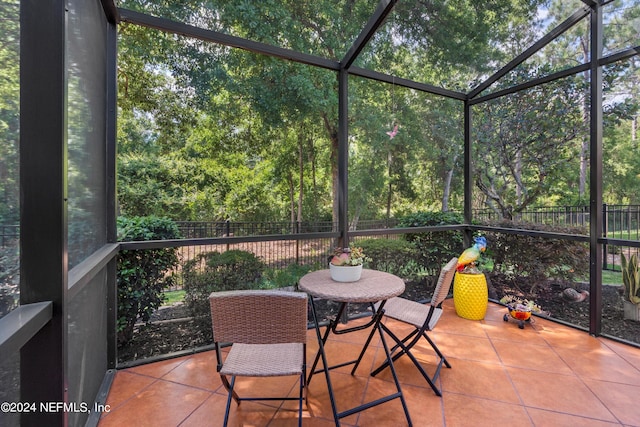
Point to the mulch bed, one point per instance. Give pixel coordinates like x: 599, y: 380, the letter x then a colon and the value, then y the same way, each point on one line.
x: 172, y: 330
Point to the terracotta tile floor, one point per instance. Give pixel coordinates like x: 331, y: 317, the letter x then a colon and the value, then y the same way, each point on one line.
x: 543, y: 375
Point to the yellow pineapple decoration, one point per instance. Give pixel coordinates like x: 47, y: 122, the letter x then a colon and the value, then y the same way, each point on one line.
x: 470, y: 293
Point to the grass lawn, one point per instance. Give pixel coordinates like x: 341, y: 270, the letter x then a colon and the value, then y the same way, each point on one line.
x: 172, y: 297
x: 611, y: 277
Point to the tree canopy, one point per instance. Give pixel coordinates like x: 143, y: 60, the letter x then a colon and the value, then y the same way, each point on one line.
x: 9, y: 110
x: 208, y: 132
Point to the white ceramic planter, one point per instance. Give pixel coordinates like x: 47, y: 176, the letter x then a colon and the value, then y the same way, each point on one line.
x: 631, y: 311
x: 345, y: 273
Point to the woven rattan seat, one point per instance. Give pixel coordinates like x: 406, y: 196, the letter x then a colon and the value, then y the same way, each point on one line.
x: 267, y: 331
x: 263, y: 360
x: 423, y: 317
x: 411, y: 312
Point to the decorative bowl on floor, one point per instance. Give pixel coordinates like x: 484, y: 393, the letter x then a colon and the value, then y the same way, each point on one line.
x: 520, y: 312
x: 345, y: 273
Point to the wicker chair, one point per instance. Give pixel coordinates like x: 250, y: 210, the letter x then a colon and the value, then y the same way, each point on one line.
x: 268, y: 332
x: 424, y: 318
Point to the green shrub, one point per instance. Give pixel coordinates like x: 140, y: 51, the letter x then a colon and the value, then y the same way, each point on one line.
x: 410, y: 271
x: 538, y: 258
x: 9, y: 278
x: 435, y: 248
x: 216, y: 271
x: 143, y: 274
x: 276, y: 278
x: 394, y: 256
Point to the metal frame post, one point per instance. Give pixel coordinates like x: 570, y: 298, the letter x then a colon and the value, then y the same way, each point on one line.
x: 110, y: 214
x: 43, y: 213
x: 468, y: 172
x: 595, y: 223
x: 343, y: 156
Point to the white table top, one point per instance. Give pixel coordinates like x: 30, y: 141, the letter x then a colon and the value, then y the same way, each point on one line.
x: 373, y: 286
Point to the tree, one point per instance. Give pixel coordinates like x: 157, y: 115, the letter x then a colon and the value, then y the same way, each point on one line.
x: 525, y: 141
x: 620, y: 79
x: 9, y: 111
x: 620, y: 164
x: 217, y: 109
x: 301, y: 98
x: 447, y: 44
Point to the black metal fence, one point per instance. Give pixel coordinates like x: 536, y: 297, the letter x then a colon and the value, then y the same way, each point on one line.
x: 204, y: 229
x: 619, y: 221
x: 8, y: 234
x: 570, y: 216
x: 622, y: 221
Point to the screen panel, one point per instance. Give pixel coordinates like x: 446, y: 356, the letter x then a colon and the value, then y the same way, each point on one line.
x: 87, y: 69
x: 9, y: 155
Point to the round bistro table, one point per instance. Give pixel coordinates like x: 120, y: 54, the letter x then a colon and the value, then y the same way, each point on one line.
x: 373, y: 287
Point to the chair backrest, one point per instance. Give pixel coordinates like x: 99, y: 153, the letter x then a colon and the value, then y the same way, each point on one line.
x: 444, y: 282
x: 259, y: 316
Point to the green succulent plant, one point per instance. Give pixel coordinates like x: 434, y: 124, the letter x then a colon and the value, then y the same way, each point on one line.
x: 631, y: 278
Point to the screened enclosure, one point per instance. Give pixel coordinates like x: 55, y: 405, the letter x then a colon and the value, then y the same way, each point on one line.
x: 340, y: 119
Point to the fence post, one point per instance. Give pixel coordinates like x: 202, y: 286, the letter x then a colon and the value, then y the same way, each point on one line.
x: 605, y: 222
x: 228, y: 230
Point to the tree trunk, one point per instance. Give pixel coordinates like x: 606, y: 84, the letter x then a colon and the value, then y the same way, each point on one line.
x: 292, y: 198
x: 518, y: 176
x: 314, y: 184
x: 333, y: 137
x: 390, y: 186
x: 447, y: 190
x: 301, y: 177
x: 448, y: 177
x: 584, y: 148
x: 354, y: 222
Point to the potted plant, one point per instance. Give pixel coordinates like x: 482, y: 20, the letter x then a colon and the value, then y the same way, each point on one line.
x: 519, y: 309
x: 346, y: 264
x: 631, y: 282
x: 470, y: 292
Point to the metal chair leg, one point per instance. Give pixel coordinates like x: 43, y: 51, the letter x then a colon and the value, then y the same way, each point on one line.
x: 437, y: 350
x: 394, y: 374
x: 405, y: 349
x: 229, y: 388
x: 302, y: 395
x: 228, y: 408
x: 400, y: 344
